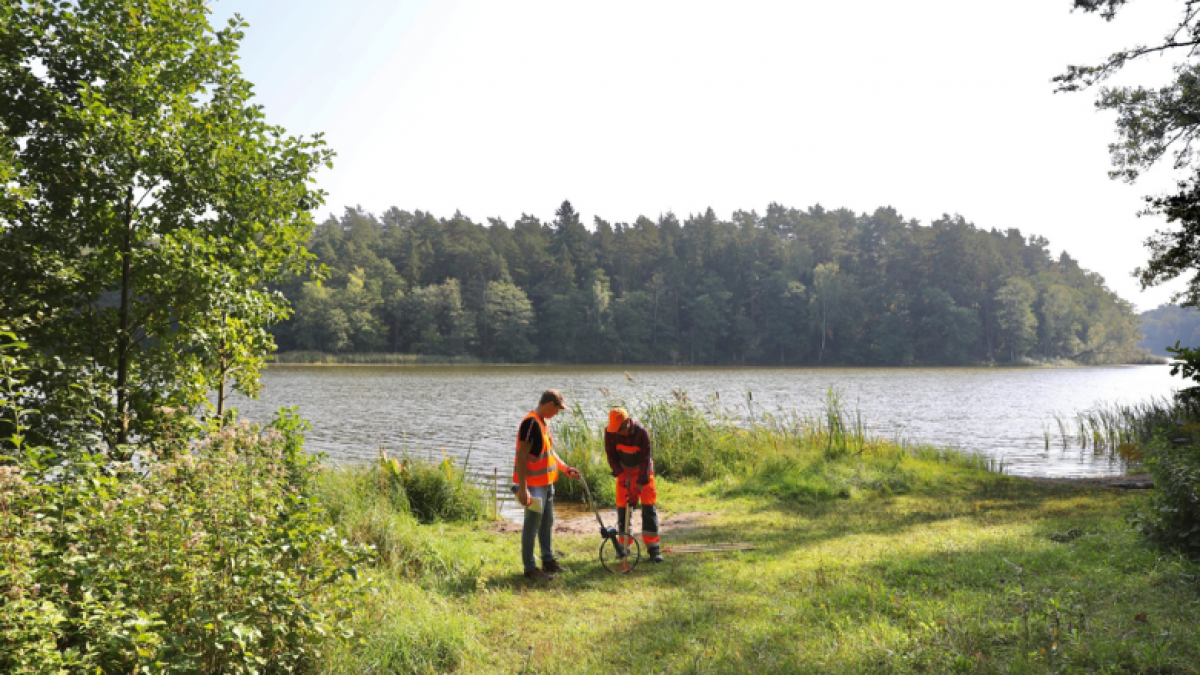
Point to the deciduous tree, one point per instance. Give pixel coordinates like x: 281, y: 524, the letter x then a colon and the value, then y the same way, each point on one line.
x: 162, y: 202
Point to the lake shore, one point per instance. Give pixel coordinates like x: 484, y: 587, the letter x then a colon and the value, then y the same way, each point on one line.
x: 964, y: 571
x: 309, y: 358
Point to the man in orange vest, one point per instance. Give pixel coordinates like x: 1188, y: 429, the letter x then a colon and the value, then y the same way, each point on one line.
x: 535, y: 471
x: 627, y: 445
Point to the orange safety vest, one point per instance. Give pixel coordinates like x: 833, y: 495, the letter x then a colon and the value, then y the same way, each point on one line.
x: 541, y: 470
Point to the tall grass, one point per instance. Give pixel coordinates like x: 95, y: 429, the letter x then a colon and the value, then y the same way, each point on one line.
x: 381, y: 504
x: 1121, y: 432
x: 370, y: 358
x: 797, y: 456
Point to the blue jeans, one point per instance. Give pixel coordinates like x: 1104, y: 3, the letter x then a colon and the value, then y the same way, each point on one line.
x: 538, y: 526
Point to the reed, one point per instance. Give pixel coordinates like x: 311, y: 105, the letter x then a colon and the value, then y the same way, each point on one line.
x: 796, y: 456
x: 370, y: 358
x: 1123, y: 431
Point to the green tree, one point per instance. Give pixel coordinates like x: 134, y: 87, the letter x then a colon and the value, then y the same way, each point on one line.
x: 1018, y: 325
x: 948, y: 331
x: 439, y: 323
x: 162, y: 202
x: 318, y: 322
x: 1060, y: 322
x: 828, y: 295
x: 1153, y: 123
x: 508, y: 323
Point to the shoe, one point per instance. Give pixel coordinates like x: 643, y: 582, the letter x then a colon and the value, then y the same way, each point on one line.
x: 538, y: 574
x: 552, y: 567
x: 655, y: 554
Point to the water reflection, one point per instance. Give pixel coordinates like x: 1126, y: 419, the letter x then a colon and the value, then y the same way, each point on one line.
x: 998, y: 412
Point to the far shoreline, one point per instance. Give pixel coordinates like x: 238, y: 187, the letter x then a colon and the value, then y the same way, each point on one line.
x: 409, y: 361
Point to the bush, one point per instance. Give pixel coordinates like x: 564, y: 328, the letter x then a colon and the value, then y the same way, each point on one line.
x: 218, y: 559
x: 1172, y: 513
x: 441, y: 493
x: 370, y: 506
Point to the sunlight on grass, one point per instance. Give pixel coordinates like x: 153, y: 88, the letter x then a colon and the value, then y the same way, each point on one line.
x: 870, y: 557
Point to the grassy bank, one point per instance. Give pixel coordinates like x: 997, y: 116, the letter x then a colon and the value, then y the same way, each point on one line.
x: 370, y: 358
x: 870, y: 557
x: 389, y: 358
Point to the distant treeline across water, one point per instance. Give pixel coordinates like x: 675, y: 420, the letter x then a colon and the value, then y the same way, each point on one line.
x: 786, y: 287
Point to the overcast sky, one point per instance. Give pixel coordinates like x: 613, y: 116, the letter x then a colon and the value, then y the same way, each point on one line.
x: 498, y: 108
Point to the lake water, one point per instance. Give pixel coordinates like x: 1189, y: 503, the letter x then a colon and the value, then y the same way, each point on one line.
x: 427, y: 410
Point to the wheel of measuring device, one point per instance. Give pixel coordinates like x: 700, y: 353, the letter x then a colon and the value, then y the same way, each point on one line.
x: 620, y: 555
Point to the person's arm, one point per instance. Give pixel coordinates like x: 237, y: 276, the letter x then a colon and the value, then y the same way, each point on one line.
x: 522, y: 469
x: 643, y: 443
x: 571, y: 472
x: 610, y: 452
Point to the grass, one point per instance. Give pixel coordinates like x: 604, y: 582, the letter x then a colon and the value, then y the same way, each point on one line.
x: 370, y: 358
x: 1121, y: 432
x: 870, y: 557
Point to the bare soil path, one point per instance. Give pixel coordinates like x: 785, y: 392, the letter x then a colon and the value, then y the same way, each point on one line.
x: 578, y: 519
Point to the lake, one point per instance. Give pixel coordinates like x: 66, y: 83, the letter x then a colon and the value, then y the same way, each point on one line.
x: 1001, y: 413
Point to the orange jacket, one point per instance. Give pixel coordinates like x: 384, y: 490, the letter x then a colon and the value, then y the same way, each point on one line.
x: 543, y: 469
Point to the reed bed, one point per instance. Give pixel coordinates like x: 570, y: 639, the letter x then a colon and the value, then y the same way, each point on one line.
x: 1122, y: 432
x: 798, y: 456
x: 370, y: 358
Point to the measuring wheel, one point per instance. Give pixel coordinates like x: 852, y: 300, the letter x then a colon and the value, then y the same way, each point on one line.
x: 620, y: 553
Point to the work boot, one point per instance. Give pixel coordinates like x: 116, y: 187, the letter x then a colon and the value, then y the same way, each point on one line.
x: 655, y: 553
x: 552, y: 567
x: 537, y: 575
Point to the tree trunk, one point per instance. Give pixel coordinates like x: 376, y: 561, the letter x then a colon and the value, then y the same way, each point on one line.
x: 124, y: 339
x: 821, y: 354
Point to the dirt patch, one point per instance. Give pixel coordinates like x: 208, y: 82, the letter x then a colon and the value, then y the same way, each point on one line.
x: 571, y: 519
x: 1132, y: 482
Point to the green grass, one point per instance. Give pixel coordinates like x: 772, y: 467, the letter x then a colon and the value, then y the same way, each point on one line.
x: 885, y: 560
x: 369, y: 358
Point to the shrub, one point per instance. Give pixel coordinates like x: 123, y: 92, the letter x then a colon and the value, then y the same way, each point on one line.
x: 218, y: 559
x: 1172, y: 513
x: 441, y: 493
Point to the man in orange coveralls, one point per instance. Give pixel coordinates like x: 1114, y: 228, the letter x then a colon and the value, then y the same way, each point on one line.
x: 627, y: 445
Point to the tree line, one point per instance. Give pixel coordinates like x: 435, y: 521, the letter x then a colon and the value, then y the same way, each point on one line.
x: 1165, y: 325
x: 786, y: 287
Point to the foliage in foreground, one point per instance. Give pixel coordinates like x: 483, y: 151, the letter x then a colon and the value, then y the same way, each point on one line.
x: 215, y: 561
x: 154, y: 203
x: 1161, y: 436
x: 214, y: 558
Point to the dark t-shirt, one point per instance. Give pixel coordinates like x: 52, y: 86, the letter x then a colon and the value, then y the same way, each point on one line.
x: 531, y: 433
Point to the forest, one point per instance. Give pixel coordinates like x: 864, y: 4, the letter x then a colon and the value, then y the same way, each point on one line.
x: 1165, y: 325
x: 787, y: 287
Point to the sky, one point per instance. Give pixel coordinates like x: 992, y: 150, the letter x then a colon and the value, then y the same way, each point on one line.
x: 501, y: 108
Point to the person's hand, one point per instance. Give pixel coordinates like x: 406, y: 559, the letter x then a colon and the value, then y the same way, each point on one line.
x: 616, y: 474
x: 523, y: 496
x: 572, y: 472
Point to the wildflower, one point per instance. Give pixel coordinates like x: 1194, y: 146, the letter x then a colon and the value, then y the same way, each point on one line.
x: 156, y: 506
x: 259, y: 521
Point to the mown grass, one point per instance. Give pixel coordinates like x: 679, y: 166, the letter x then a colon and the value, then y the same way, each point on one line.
x: 876, y: 558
